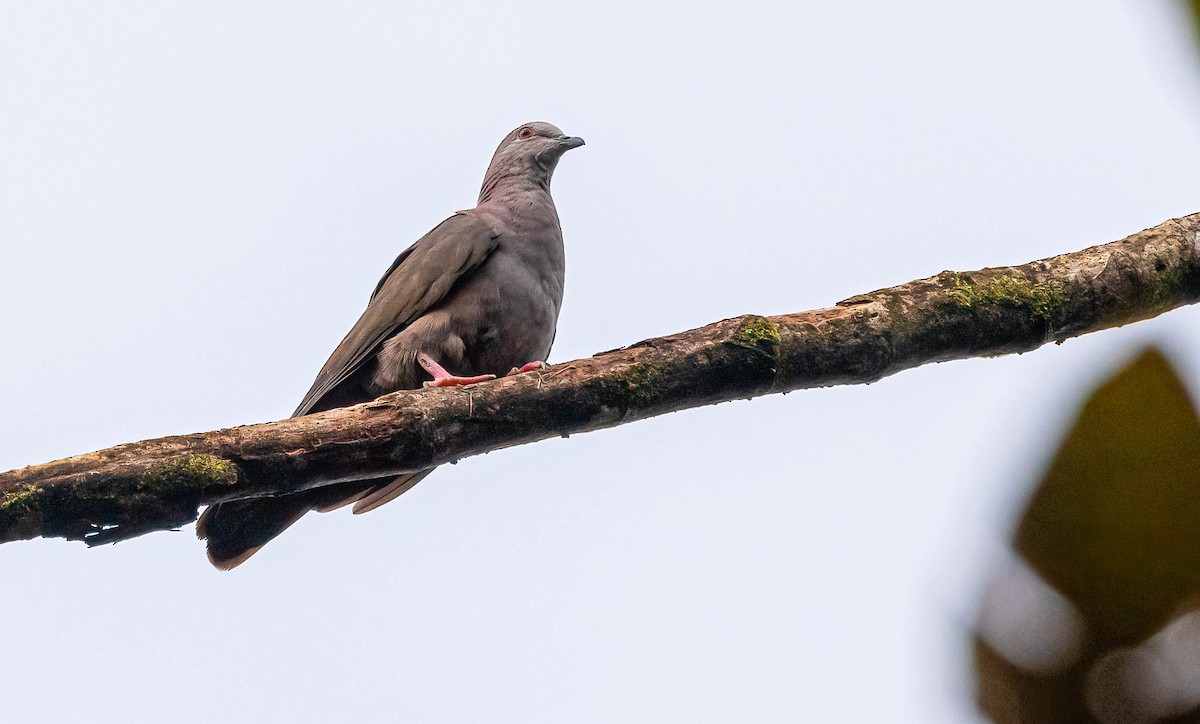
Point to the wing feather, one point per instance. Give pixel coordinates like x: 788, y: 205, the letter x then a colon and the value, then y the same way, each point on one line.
x: 422, y: 275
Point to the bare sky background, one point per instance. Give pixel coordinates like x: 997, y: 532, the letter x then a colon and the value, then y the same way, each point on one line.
x: 197, y: 199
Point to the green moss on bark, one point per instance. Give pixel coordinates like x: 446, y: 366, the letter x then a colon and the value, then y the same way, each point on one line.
x: 194, y: 472
x: 1041, y: 300
x: 637, y: 385
x: 165, y: 494
x: 759, y: 332
x: 761, y: 335
x: 20, y: 513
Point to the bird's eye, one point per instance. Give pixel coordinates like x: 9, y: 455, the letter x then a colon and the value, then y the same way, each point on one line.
x: 525, y: 133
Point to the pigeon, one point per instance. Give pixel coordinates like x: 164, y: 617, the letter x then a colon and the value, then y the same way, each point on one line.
x: 476, y: 297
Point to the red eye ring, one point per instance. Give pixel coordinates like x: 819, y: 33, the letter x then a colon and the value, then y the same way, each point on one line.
x: 525, y: 133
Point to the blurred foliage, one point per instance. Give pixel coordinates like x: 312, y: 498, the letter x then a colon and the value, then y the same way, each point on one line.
x: 1109, y: 548
x: 1193, y: 10
x: 1115, y: 524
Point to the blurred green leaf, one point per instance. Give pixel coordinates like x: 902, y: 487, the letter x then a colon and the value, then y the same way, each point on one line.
x: 1193, y: 10
x: 1115, y: 525
x: 1007, y: 693
x: 1114, y: 530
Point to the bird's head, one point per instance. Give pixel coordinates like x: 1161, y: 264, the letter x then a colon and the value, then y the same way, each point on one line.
x: 532, y: 149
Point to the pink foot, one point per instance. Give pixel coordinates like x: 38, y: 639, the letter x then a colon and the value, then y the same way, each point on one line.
x: 527, y: 367
x: 442, y: 378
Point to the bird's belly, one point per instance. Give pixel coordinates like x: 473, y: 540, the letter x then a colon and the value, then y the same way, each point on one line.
x: 515, y: 329
x: 506, y: 315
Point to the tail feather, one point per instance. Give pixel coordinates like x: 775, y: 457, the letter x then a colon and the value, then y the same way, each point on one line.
x: 341, y: 503
x: 388, y: 492
x: 237, y: 529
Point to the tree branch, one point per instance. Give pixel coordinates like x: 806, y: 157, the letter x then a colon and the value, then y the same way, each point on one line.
x: 135, y: 488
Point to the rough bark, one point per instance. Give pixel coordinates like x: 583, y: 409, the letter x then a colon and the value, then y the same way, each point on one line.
x: 158, y: 484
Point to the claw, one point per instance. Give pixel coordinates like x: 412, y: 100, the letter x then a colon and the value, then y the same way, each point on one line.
x: 527, y: 367
x: 442, y: 378
x: 451, y: 381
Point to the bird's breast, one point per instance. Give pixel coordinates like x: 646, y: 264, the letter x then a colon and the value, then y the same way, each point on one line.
x: 518, y: 297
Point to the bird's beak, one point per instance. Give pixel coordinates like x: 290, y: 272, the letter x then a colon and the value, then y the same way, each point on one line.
x: 570, y: 141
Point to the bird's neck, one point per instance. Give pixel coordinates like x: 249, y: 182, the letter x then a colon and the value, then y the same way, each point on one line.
x: 525, y: 206
x: 506, y: 187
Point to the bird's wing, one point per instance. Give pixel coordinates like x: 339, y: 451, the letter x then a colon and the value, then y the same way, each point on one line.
x: 421, y: 276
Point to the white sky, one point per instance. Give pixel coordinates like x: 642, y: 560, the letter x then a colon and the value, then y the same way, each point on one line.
x: 196, y: 200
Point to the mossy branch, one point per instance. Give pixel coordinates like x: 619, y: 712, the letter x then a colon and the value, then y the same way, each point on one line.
x: 158, y: 484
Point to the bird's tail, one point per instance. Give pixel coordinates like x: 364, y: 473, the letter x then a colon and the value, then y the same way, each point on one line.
x: 238, y: 529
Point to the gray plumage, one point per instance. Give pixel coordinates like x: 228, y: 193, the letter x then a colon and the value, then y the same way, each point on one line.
x: 479, y: 295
